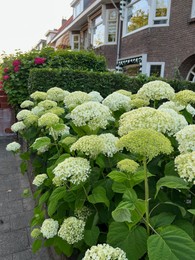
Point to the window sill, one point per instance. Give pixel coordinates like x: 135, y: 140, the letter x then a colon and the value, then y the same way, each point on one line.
x: 191, y: 20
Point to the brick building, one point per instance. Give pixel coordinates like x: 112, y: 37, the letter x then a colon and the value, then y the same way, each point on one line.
x: 148, y: 36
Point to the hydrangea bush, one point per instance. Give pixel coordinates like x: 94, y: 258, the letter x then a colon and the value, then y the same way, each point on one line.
x: 113, y: 180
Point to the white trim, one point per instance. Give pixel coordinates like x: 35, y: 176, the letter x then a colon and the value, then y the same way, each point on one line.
x: 106, y: 27
x: 73, y: 42
x: 193, y: 9
x: 191, y: 72
x: 148, y: 67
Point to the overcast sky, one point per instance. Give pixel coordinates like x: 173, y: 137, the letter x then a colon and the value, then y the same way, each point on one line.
x: 24, y: 22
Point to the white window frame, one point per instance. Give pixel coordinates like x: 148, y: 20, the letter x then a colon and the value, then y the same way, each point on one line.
x: 107, y: 25
x: 193, y: 9
x: 80, y: 5
x: 73, y: 42
x: 149, y: 64
x: 151, y: 18
x: 191, y: 72
x: 92, y: 30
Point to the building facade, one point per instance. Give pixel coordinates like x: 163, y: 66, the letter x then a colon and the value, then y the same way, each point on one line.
x: 154, y: 37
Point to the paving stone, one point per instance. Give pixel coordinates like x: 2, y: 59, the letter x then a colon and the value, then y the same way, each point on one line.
x: 5, y: 224
x: 11, y: 207
x: 9, y: 257
x: 28, y: 204
x: 12, y: 242
x: 21, y: 220
x: 24, y: 255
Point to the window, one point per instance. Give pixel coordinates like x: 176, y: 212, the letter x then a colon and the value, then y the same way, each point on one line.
x: 111, y: 26
x: 78, y: 8
x: 191, y: 74
x: 193, y: 9
x: 75, y: 42
x: 155, y: 69
x: 146, y: 13
x: 97, y: 31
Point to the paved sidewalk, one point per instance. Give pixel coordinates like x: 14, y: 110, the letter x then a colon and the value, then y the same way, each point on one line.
x: 15, y: 211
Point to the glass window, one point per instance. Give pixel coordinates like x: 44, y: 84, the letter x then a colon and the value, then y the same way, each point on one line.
x: 76, y: 42
x: 155, y: 69
x: 191, y: 74
x: 78, y: 8
x: 193, y: 9
x: 112, y: 26
x: 137, y: 15
x: 97, y: 31
x: 161, y: 10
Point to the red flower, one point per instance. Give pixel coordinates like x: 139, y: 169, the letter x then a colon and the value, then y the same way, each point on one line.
x: 16, y: 68
x: 39, y: 60
x: 16, y: 63
x: 6, y: 77
x: 6, y: 70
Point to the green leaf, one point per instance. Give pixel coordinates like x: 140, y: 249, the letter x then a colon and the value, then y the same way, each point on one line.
x: 133, y: 241
x: 138, y: 177
x: 63, y: 246
x: 41, y: 142
x: 44, y: 197
x: 192, y: 211
x: 36, y: 245
x: 118, y: 176
x: 56, y: 195
x: 25, y: 156
x: 162, y: 219
x: 171, y: 243
x: 170, y: 169
x: 91, y: 236
x: 100, y: 161
x: 23, y: 167
x: 122, y: 212
x: 119, y: 187
x: 172, y: 182
x: 99, y: 196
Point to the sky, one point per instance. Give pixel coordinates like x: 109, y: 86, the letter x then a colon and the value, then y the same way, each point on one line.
x: 24, y: 22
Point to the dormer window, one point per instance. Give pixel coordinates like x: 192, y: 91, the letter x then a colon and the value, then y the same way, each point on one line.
x: 77, y: 8
x: 193, y: 9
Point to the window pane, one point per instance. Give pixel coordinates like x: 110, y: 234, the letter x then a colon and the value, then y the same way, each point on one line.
x: 76, y: 37
x: 98, y: 35
x: 137, y: 15
x: 155, y: 70
x: 112, y: 32
x: 161, y: 8
x: 76, y: 45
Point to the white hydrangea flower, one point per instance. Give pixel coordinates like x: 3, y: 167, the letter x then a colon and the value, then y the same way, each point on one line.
x: 47, y: 104
x: 146, y: 117
x: 72, y: 230
x: 73, y: 169
x: 185, y: 97
x: 56, y: 94
x: 117, y: 101
x: 76, y: 98
x: 125, y: 92
x: 58, y: 130
x: 104, y: 252
x: 156, y: 90
x: 38, y: 111
x: 185, y: 165
x: 31, y: 120
x: 13, y: 147
x: 179, y: 120
x: 190, y: 109
x: 23, y: 114
x: 48, y: 119
x: 57, y: 110
x: 39, y: 95
x: 93, y: 114
x: 18, y: 126
x: 35, y: 233
x: 27, y: 104
x: 83, y: 213
x: 172, y: 105
x: 186, y: 139
x: 39, y: 179
x: 92, y: 145
x: 49, y: 228
x: 95, y: 96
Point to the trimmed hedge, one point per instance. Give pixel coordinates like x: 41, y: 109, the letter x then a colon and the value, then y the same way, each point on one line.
x: 103, y: 82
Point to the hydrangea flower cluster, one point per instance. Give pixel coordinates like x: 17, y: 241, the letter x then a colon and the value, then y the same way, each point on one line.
x: 95, y: 96
x: 92, y: 114
x: 35, y: 233
x: 73, y: 169
x: 58, y: 130
x: 104, y: 252
x: 139, y: 102
x: 49, y: 228
x: 56, y: 94
x: 18, y: 126
x: 147, y: 143
x: 41, y: 144
x: 47, y: 104
x: 76, y: 98
x: 185, y: 165
x: 38, y: 111
x: 156, y: 90
x: 57, y: 111
x: 145, y: 117
x: 39, y: 179
x: 186, y: 139
x: 117, y: 101
x: 48, y: 119
x: 31, y: 120
x: 72, y: 230
x: 13, y: 147
x: 27, y: 104
x: 127, y: 166
x: 23, y: 114
x: 39, y: 95
x: 92, y: 145
x: 83, y: 213
x: 124, y: 92
x: 172, y: 105
x: 185, y: 97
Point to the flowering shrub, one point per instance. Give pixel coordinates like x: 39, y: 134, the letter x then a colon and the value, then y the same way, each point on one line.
x: 111, y: 184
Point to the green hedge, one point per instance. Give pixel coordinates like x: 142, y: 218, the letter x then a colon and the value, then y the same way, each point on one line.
x: 103, y: 82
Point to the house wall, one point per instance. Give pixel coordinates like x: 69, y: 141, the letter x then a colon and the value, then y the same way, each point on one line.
x: 172, y: 44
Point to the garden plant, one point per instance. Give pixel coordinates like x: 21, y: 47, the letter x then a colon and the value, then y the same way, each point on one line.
x: 113, y: 177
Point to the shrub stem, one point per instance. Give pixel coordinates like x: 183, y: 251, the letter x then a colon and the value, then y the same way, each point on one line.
x: 146, y: 196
